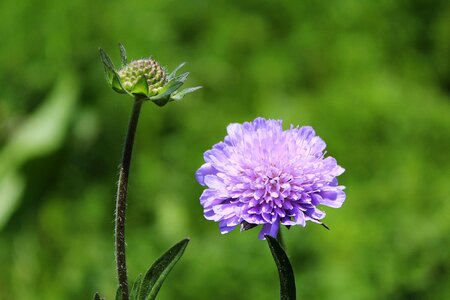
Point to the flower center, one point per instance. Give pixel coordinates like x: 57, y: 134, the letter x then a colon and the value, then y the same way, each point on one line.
x: 268, y: 192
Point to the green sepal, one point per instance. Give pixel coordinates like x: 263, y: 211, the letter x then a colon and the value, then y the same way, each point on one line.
x: 182, y: 78
x: 135, y: 289
x: 155, y: 276
x: 140, y: 88
x: 108, y: 65
x: 119, y: 293
x: 106, y: 59
x: 174, y: 72
x: 179, y: 95
x: 162, y: 101
x: 167, y: 90
x: 116, y: 85
x: 111, y: 74
x: 108, y: 75
x: 285, y: 272
x: 123, y: 54
x: 164, y: 96
x: 170, y: 88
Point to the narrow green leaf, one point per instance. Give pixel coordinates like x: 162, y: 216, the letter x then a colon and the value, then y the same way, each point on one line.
x: 106, y: 60
x: 158, y: 272
x: 108, y: 75
x: 96, y: 296
x: 119, y: 293
x: 116, y: 84
x: 179, y: 95
x: 173, y: 85
x: 162, y: 101
x: 285, y: 272
x: 168, y: 89
x: 118, y: 87
x: 182, y: 77
x: 108, y: 65
x: 111, y: 74
x: 174, y: 72
x: 123, y: 54
x: 135, y: 289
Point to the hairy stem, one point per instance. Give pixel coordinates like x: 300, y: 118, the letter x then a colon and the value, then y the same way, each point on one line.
x: 121, y: 200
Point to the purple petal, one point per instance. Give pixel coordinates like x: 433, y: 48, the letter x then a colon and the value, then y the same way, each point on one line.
x: 205, y: 169
x: 270, y: 229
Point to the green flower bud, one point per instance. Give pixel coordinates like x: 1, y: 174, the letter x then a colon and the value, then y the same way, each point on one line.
x: 145, y: 79
x: 143, y: 69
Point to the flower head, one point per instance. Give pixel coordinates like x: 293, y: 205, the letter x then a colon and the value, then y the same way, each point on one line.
x: 148, y: 69
x: 145, y: 79
x: 262, y: 175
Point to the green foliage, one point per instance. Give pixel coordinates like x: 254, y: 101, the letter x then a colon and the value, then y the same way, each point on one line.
x: 147, y: 287
x: 119, y: 294
x: 155, y: 276
x: 135, y: 289
x: 42, y: 133
x: 123, y: 54
x: 371, y: 77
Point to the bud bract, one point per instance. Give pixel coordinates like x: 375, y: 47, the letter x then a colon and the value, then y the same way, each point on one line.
x: 145, y: 79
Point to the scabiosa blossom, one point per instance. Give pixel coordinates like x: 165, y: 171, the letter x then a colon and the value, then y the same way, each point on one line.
x: 262, y: 175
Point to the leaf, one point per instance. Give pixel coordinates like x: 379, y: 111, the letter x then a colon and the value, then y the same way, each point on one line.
x: 108, y: 65
x: 119, y: 293
x: 123, y: 54
x: 96, y: 296
x: 168, y: 89
x: 106, y: 59
x: 135, y: 289
x: 162, y: 101
x: 174, y: 72
x: 112, y: 77
x: 116, y: 85
x: 40, y: 134
x: 285, y: 272
x: 158, y: 272
x: 182, y: 77
x: 179, y: 95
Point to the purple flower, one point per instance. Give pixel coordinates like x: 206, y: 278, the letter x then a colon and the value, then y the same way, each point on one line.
x: 261, y: 174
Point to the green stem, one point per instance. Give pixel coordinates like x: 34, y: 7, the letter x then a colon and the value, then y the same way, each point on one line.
x: 121, y: 200
x: 285, y: 272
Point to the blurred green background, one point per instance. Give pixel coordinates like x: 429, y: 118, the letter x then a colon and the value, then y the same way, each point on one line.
x: 372, y: 77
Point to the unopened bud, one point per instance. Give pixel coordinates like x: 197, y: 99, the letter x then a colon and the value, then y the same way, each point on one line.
x: 149, y: 69
x: 145, y: 79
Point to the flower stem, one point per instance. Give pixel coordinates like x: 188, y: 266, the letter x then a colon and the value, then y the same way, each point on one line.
x: 285, y: 272
x: 121, y: 200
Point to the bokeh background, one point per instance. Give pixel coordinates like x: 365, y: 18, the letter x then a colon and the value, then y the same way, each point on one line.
x: 372, y: 77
